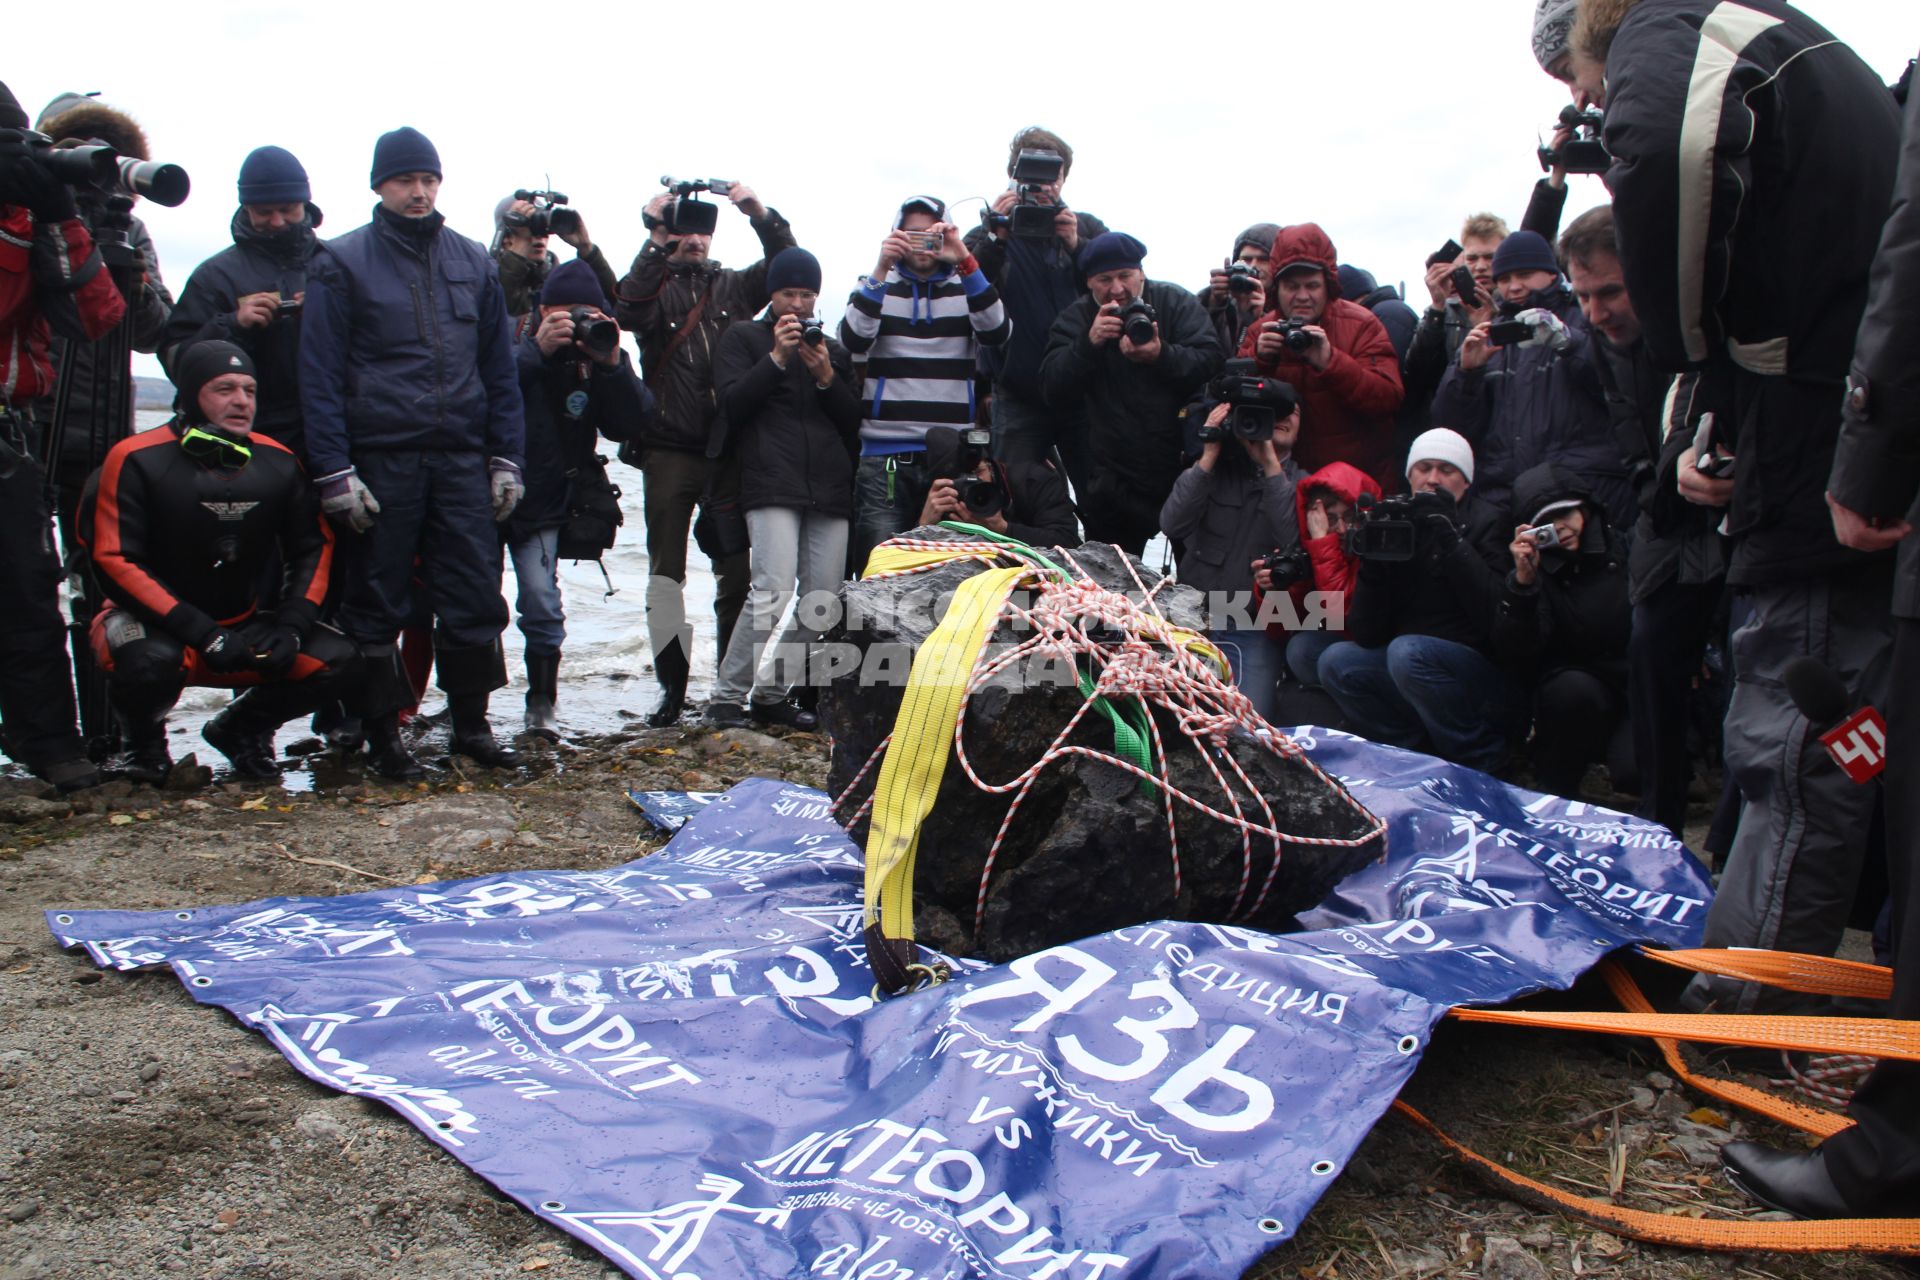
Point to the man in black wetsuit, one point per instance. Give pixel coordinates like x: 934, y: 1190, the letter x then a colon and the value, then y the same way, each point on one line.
x: 186, y: 525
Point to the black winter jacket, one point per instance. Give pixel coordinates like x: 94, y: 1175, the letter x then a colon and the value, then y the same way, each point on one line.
x: 654, y: 302
x: 1448, y: 590
x: 1876, y: 469
x: 1037, y: 280
x: 255, y: 263
x: 795, y: 444
x: 569, y: 404
x: 1741, y: 261
x: 405, y: 344
x: 1133, y: 410
x: 1575, y: 612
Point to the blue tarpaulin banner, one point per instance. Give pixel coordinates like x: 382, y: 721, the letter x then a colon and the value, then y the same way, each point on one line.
x: 679, y: 1060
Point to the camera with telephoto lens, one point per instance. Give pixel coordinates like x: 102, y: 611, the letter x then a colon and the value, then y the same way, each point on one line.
x: 1258, y: 402
x: 687, y: 215
x: 1032, y: 217
x: 596, y: 333
x: 813, y: 331
x: 985, y: 498
x: 1137, y: 321
x: 1293, y: 332
x: 548, y: 217
x: 1242, y: 278
x: 1584, y: 152
x: 1393, y: 528
x: 96, y: 168
x: 1284, y: 568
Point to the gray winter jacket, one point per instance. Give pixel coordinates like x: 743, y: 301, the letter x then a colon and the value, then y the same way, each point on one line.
x: 1229, y: 517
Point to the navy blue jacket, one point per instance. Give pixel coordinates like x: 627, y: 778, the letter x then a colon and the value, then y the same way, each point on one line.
x: 405, y: 344
x: 569, y: 404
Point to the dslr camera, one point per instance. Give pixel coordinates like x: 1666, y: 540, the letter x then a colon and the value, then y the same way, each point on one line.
x: 1392, y: 528
x: 687, y: 214
x: 1258, y: 402
x: 1293, y: 332
x: 985, y: 498
x: 595, y: 333
x: 1242, y: 278
x: 813, y: 331
x: 1285, y: 568
x: 1584, y: 152
x: 94, y: 168
x: 548, y: 217
x: 1032, y: 218
x: 1138, y: 319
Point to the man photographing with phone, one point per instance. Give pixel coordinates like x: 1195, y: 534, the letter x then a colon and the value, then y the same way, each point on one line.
x: 920, y: 319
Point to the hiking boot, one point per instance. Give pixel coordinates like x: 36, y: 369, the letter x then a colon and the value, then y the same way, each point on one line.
x: 784, y: 713
x: 726, y: 715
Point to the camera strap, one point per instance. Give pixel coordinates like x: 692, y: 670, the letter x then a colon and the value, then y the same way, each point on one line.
x: 685, y: 331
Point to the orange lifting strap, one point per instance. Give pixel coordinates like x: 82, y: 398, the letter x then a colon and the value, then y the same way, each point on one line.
x: 1876, y: 1037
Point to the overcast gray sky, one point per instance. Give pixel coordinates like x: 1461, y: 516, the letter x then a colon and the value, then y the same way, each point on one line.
x: 1383, y: 120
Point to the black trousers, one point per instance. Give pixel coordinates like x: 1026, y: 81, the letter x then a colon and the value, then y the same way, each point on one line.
x: 1670, y: 631
x: 1876, y: 1164
x: 1575, y: 713
x: 36, y: 681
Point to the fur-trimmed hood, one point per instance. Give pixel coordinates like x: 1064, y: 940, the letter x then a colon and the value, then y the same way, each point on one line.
x: 1594, y: 27
x: 77, y: 115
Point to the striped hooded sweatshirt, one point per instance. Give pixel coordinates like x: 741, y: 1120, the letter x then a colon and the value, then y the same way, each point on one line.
x: 920, y: 337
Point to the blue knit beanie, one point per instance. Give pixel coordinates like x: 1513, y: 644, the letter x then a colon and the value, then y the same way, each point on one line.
x: 793, y: 268
x: 573, y: 284
x: 405, y: 150
x: 272, y: 175
x: 1524, y: 251
x: 1111, y: 252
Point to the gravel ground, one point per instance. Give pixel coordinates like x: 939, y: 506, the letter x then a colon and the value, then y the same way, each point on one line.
x: 145, y: 1135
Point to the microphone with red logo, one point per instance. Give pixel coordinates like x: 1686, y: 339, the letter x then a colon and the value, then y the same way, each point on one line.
x: 1856, y: 739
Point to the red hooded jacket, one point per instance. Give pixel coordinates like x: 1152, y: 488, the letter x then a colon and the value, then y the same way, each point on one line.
x: 1346, y: 409
x: 1333, y: 569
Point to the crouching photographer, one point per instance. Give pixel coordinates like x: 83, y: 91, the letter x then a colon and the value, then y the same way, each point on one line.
x: 1418, y: 672
x: 1562, y: 626
x: 190, y: 591
x: 51, y: 278
x: 1327, y: 504
x: 576, y: 385
x: 1026, y: 501
x: 792, y: 421
x: 1235, y: 503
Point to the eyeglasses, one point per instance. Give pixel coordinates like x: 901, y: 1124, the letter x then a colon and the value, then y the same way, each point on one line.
x: 211, y: 445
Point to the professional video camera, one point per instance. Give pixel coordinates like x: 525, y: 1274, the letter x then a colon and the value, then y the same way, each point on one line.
x: 1392, y: 528
x: 97, y: 169
x: 595, y: 333
x: 1584, y: 152
x: 1293, y: 332
x: 687, y: 215
x: 1242, y: 278
x: 1137, y: 320
x: 985, y: 498
x: 1034, y: 172
x: 1258, y: 402
x: 547, y: 218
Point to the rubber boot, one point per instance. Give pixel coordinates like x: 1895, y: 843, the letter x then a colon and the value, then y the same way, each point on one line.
x: 473, y: 736
x: 543, y: 693
x: 243, y: 733
x: 672, y: 668
x: 387, y: 754
x: 141, y: 711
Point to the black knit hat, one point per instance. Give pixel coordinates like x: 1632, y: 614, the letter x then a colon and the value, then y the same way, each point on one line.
x: 200, y: 364
x: 405, y: 150
x: 793, y: 268
x: 12, y: 114
x: 573, y: 284
x: 273, y: 175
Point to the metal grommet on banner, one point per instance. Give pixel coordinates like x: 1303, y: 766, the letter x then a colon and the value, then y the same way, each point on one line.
x: 63, y: 919
x: 202, y: 980
x: 1272, y: 1226
x: 552, y: 1206
x: 1408, y: 1045
x: 1323, y: 1168
x: 183, y: 915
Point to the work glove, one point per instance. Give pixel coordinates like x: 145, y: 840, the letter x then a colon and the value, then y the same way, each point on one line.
x: 225, y: 651
x: 347, y: 501
x: 25, y: 180
x: 504, y: 478
x: 1549, y: 330
x: 272, y: 646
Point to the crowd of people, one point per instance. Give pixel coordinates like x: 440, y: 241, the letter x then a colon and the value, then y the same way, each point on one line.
x: 1519, y: 519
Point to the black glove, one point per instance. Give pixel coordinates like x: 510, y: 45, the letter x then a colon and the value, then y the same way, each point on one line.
x: 272, y: 647
x: 1440, y: 533
x: 225, y: 651
x: 25, y: 180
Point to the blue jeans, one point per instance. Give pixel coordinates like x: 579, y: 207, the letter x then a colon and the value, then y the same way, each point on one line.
x: 889, y: 492
x: 1255, y: 659
x: 536, y: 570
x: 1303, y: 655
x: 1423, y: 691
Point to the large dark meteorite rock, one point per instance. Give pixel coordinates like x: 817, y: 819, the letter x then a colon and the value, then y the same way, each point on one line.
x: 1088, y: 851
